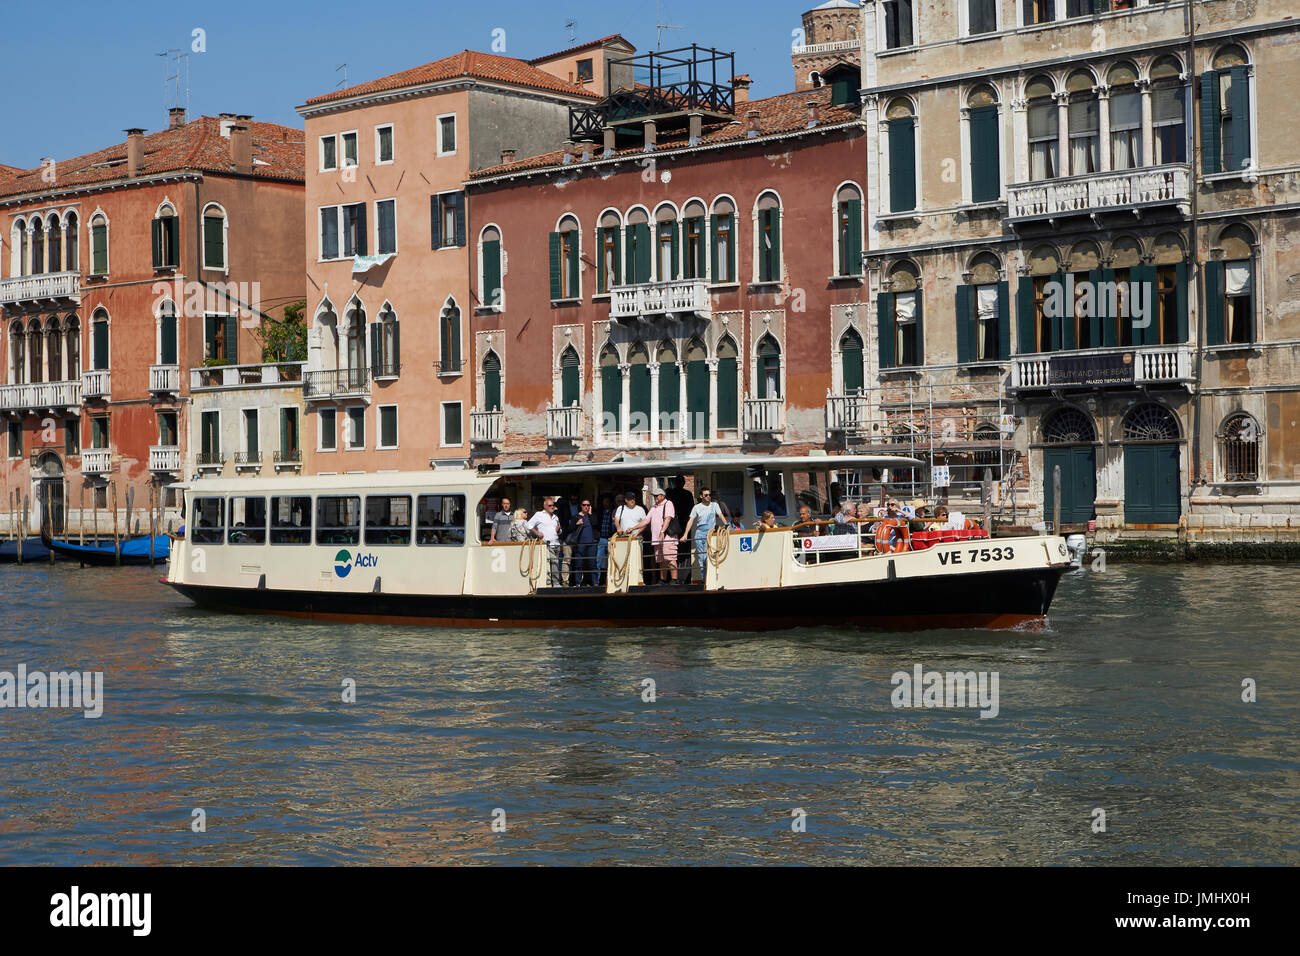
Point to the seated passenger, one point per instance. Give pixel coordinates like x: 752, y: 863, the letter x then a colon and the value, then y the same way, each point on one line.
x: 766, y: 523
x: 806, y: 524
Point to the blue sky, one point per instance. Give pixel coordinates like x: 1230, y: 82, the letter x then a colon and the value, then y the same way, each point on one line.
x: 76, y: 78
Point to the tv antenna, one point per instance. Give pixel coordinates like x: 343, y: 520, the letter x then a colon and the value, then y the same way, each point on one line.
x: 172, y: 76
x: 660, y: 26
x: 571, y: 24
x: 344, y: 82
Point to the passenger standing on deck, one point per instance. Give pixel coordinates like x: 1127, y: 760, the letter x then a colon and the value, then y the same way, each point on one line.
x: 704, y: 518
x: 519, y: 527
x: 662, y: 521
x: 605, y: 524
x: 583, y: 536
x: 546, y: 525
x: 501, y: 522
x: 683, y: 502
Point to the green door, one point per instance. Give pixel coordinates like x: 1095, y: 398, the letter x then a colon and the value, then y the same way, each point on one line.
x: 670, y: 396
x: 611, y: 386
x: 1151, y: 484
x: 697, y: 399
x: 1078, y: 483
x: 639, y: 397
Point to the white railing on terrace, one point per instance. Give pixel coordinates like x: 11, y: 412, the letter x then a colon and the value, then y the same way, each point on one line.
x: 40, y: 396
x: 659, y: 298
x: 95, y: 383
x: 564, y: 424
x: 846, y: 413
x: 764, y: 416
x: 165, y: 458
x: 1152, y: 364
x: 832, y: 47
x: 164, y: 378
x: 56, y: 285
x: 1120, y: 189
x: 485, y: 427
x: 212, y: 377
x: 96, y: 461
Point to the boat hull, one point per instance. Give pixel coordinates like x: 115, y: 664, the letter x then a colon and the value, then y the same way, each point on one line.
x: 134, y: 551
x: 996, y: 599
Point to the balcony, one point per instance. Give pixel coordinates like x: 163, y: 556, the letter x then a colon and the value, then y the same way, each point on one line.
x: 846, y: 414
x: 46, y: 288
x: 833, y: 47
x: 288, y: 460
x: 336, y: 383
x: 449, y: 368
x: 485, y: 427
x: 95, y: 383
x: 52, y: 397
x: 96, y: 461
x: 1103, y: 368
x: 164, y: 379
x: 210, y: 461
x: 165, y: 459
x: 1129, y: 190
x: 248, y: 461
x: 681, y: 296
x: 564, y: 424
x: 764, y: 419
x: 213, y: 378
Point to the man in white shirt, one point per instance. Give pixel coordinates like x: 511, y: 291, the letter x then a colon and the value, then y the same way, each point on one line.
x: 546, y: 525
x: 629, y: 515
x: 704, y: 518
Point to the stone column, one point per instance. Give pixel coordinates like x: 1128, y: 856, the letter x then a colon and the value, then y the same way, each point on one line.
x: 1103, y: 128
x: 711, y: 429
x: 1019, y: 141
x: 1148, y: 132
x: 654, y: 403
x: 683, y: 415
x: 1063, y: 134
x: 625, y: 419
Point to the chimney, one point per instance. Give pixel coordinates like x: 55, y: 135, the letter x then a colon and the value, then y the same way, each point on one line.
x: 814, y: 114
x: 741, y: 86
x: 611, y: 136
x: 588, y: 148
x: 651, y: 135
x: 175, y: 117
x: 134, y: 151
x: 752, y: 119
x: 227, y: 120
x: 507, y: 156
x: 568, y: 153
x: 697, y: 128
x: 241, y: 148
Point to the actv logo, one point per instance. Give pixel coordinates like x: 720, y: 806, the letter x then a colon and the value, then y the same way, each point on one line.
x: 343, y: 562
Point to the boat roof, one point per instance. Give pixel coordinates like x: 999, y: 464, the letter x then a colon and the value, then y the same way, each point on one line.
x: 486, y: 475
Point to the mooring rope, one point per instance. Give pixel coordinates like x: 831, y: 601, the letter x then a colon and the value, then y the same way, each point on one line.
x: 532, y: 568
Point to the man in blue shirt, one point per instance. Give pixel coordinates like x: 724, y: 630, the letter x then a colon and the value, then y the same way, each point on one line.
x: 583, y: 535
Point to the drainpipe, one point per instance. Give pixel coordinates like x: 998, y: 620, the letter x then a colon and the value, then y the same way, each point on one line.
x: 1194, y: 263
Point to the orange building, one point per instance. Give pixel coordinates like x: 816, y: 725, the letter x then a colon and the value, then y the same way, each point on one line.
x: 389, y: 250
x: 118, y: 270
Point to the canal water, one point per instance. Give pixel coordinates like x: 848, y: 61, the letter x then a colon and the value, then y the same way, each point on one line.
x: 1129, y: 702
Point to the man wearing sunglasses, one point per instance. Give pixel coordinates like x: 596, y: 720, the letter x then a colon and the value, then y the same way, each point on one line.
x: 705, y: 516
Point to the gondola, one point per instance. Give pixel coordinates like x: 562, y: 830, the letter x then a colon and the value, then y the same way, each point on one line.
x: 33, y: 550
x: 134, y: 551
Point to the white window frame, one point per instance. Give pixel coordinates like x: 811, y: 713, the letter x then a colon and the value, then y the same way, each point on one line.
x: 835, y: 228
x: 378, y: 251
x: 392, y: 141
x: 455, y: 132
x: 279, y: 416
x: 243, y: 422
x: 442, y: 424
x: 347, y: 420
x: 758, y: 238
x: 321, y: 153
x: 320, y: 432
x: 482, y: 276
x: 963, y: 16
x: 883, y: 36
x: 577, y: 231
x: 224, y: 268
x: 379, y: 428
x: 90, y: 241
x: 338, y: 234
x: 342, y: 149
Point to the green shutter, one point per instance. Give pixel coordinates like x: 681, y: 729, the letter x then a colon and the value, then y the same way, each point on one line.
x: 1146, y: 276
x: 169, y: 351
x: 885, y: 329
x: 1095, y: 322
x: 213, y: 242
x: 728, y: 388
x: 1025, y: 316
x: 1180, y: 284
x: 713, y: 247
x: 492, y: 388
x: 570, y: 384
x: 644, y: 253
x: 851, y: 359
x: 1063, y: 338
x: 966, y: 324
x: 172, y: 229
x: 1214, y: 328
x: 575, y: 252
x: 99, y: 250
x: 603, y: 282
x: 701, y: 262
x: 232, y: 349
x: 492, y: 273
x: 1110, y: 327
x: 986, y: 178
x: 920, y: 326
x: 284, y: 432
x: 853, y: 252
x: 1240, y: 103
x: 557, y: 277
x: 639, y: 395
x: 670, y: 396
x: 254, y: 448
x: 1004, y: 320
x: 1210, y: 146
x: 397, y: 347
x: 100, y: 343
x: 156, y: 233
x: 376, y: 351
x: 435, y: 222
x: 611, y: 384
x: 461, y: 203
x: 902, y: 164
x: 770, y: 265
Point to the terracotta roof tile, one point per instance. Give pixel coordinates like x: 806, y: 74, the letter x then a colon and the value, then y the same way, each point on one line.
x: 278, y: 153
x: 776, y: 114
x: 483, y: 66
x: 582, y: 46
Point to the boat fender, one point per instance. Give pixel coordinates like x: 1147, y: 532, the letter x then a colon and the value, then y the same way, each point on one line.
x: 379, y: 586
x: 261, y: 583
x: 892, y: 573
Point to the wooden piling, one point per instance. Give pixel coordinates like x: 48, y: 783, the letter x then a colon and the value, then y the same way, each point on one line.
x: 15, y: 501
x: 22, y: 527
x: 153, y: 516
x: 130, y: 505
x: 81, y: 516
x: 95, y: 512
x: 117, y: 542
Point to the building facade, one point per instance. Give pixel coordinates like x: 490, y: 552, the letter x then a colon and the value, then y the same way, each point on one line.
x: 1094, y: 205
x: 123, y: 270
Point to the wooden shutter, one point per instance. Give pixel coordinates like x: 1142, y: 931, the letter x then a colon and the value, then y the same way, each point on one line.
x: 1214, y: 327
x: 1180, y: 286
x: 172, y: 231
x: 362, y: 246
x: 986, y: 178
x: 702, y: 253
x: 644, y: 252
x: 1210, y: 145
x: 459, y: 201
x: 1102, y: 316
x: 570, y: 379
x: 1004, y: 320
x: 670, y: 396
x: 603, y: 283
x: 157, y: 235
x: 214, y: 254
x: 492, y: 383
x: 231, y: 349
x: 1063, y: 337
x: 674, y: 267
x: 902, y: 164
x: 99, y: 249
x: 920, y: 325
x: 397, y: 347
x: 492, y: 272
x: 435, y: 222
x: 169, y: 353
x: 574, y: 289
x: 611, y: 384
x: 966, y: 324
x: 1240, y: 103
x: 376, y: 350
x: 728, y: 389
x: 853, y: 254
x: 617, y: 278
x: 1146, y: 276
x: 885, y: 329
x: 284, y: 433
x: 557, y: 278
x: 639, y: 394
x: 100, y: 344
x: 1025, y: 318
x: 851, y: 359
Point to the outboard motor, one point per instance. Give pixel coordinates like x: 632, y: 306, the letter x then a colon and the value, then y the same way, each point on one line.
x: 1078, y: 545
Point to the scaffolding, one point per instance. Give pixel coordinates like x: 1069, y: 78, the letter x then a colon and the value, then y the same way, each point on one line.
x: 964, y: 435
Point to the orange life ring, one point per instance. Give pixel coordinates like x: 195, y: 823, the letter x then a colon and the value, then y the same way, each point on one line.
x: 892, y: 536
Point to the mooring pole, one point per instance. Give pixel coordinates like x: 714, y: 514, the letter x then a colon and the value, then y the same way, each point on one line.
x: 117, y: 542
x: 15, y: 502
x: 81, y: 516
x: 153, y: 515
x: 130, y: 502
x: 1056, y: 499
x: 95, y: 512
x: 22, y: 530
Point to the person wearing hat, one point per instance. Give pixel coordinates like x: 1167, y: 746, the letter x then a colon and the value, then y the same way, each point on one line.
x: 664, y: 531
x: 920, y: 511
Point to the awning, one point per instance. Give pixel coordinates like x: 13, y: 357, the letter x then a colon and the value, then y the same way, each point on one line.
x: 363, y: 264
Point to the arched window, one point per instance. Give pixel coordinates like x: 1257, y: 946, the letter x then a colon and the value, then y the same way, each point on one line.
x: 354, y: 331
x: 985, y: 145
x: 1085, y: 331
x: 386, y: 345
x: 54, y: 350
x: 54, y: 236
x: 767, y: 238
x: 697, y: 387
x: 1150, y: 423
x: 1225, y: 95
x: 72, y: 340
x: 491, y: 289
x: 851, y: 356
x: 71, y: 259
x: 609, y: 239
x: 99, y: 245
x: 214, y: 237
x: 611, y: 390
x: 17, y: 354
x: 1230, y: 289
x: 722, y: 232
x: 639, y: 242
x: 491, y: 382
x: 35, y: 352
x: 848, y: 230
x: 694, y: 249
x: 168, y: 353
x: 1085, y: 124
x: 670, y: 385
x: 639, y: 389
x: 1168, y: 112
x: 570, y: 378
x: 1068, y: 426
x: 327, y: 322
x: 1044, y: 129
x: 449, y: 339
x: 38, y: 246
x: 166, y: 237
x: 983, y: 322
x: 767, y: 368
x: 566, y: 244
x: 1125, y: 118
x: 900, y: 119
x: 900, y: 319
x: 666, y: 239
x: 1239, y: 441
x: 99, y: 341
x: 18, y: 257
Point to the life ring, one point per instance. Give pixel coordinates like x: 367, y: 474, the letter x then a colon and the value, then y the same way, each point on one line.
x: 892, y: 536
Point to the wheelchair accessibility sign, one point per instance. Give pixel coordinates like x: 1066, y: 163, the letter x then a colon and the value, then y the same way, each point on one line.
x: 746, y: 545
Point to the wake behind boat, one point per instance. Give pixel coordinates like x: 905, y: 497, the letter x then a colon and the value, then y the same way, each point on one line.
x: 414, y: 549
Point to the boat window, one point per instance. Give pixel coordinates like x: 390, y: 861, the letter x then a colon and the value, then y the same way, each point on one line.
x: 812, y: 489
x: 769, y: 492
x: 388, y: 520
x: 729, y: 487
x: 440, y: 521
x: 248, y: 521
x: 291, y: 521
x: 208, y: 520
x: 338, y: 520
